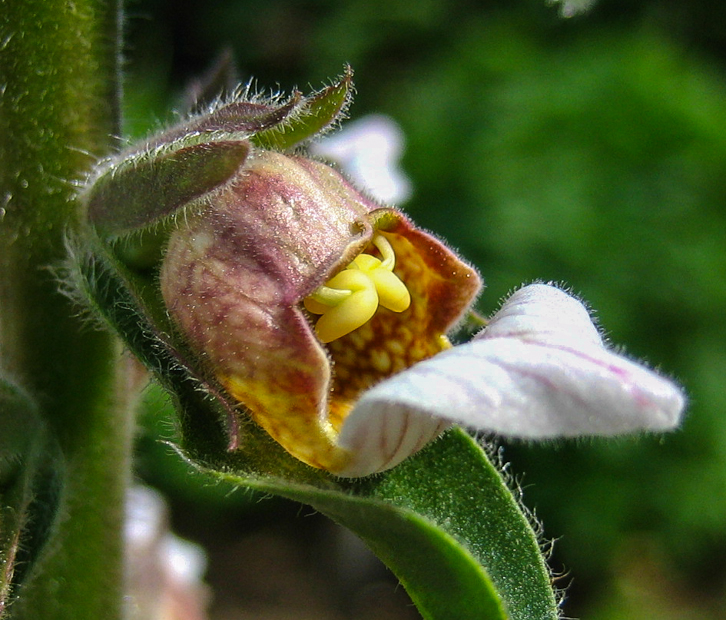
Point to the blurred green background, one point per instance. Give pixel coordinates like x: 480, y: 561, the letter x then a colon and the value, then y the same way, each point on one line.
x: 590, y: 151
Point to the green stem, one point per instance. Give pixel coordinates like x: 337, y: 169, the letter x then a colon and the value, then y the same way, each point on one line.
x: 58, y: 111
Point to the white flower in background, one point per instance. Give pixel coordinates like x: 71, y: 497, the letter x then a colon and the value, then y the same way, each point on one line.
x: 570, y: 8
x: 164, y: 572
x: 369, y: 150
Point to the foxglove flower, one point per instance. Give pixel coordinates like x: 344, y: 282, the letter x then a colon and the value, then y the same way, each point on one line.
x: 325, y: 315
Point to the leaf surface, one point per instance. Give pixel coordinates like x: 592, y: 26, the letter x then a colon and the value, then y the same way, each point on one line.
x: 319, y: 113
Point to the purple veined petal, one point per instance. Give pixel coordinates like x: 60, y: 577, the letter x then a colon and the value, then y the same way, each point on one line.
x: 539, y: 370
x: 380, y: 437
x: 543, y: 312
x: 532, y: 390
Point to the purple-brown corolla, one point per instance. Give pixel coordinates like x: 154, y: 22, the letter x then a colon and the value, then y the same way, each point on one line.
x: 237, y: 278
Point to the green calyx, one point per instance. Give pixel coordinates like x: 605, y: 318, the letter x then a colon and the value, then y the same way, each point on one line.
x: 149, y: 184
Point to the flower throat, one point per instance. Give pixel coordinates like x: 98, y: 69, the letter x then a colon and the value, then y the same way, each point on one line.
x: 350, y: 298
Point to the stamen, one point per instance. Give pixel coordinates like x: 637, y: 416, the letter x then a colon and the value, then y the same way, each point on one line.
x: 392, y: 293
x: 366, y: 263
x: 349, y: 299
x: 384, y: 247
x: 315, y: 307
x: 351, y: 313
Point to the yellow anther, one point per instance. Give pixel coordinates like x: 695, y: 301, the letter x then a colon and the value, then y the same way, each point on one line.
x: 350, y: 298
x: 392, y: 293
x: 314, y: 306
x: 366, y: 263
x: 354, y: 311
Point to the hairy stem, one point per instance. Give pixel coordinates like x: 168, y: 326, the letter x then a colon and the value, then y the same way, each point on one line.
x: 58, y: 111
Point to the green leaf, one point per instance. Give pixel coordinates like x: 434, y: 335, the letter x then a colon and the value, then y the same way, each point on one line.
x: 444, y: 521
x: 317, y: 114
x: 237, y: 119
x: 142, y: 189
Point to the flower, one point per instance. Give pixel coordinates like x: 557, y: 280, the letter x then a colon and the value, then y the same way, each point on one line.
x: 326, y: 316
x: 322, y: 313
x: 301, y: 294
x: 570, y: 8
x: 163, y: 572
